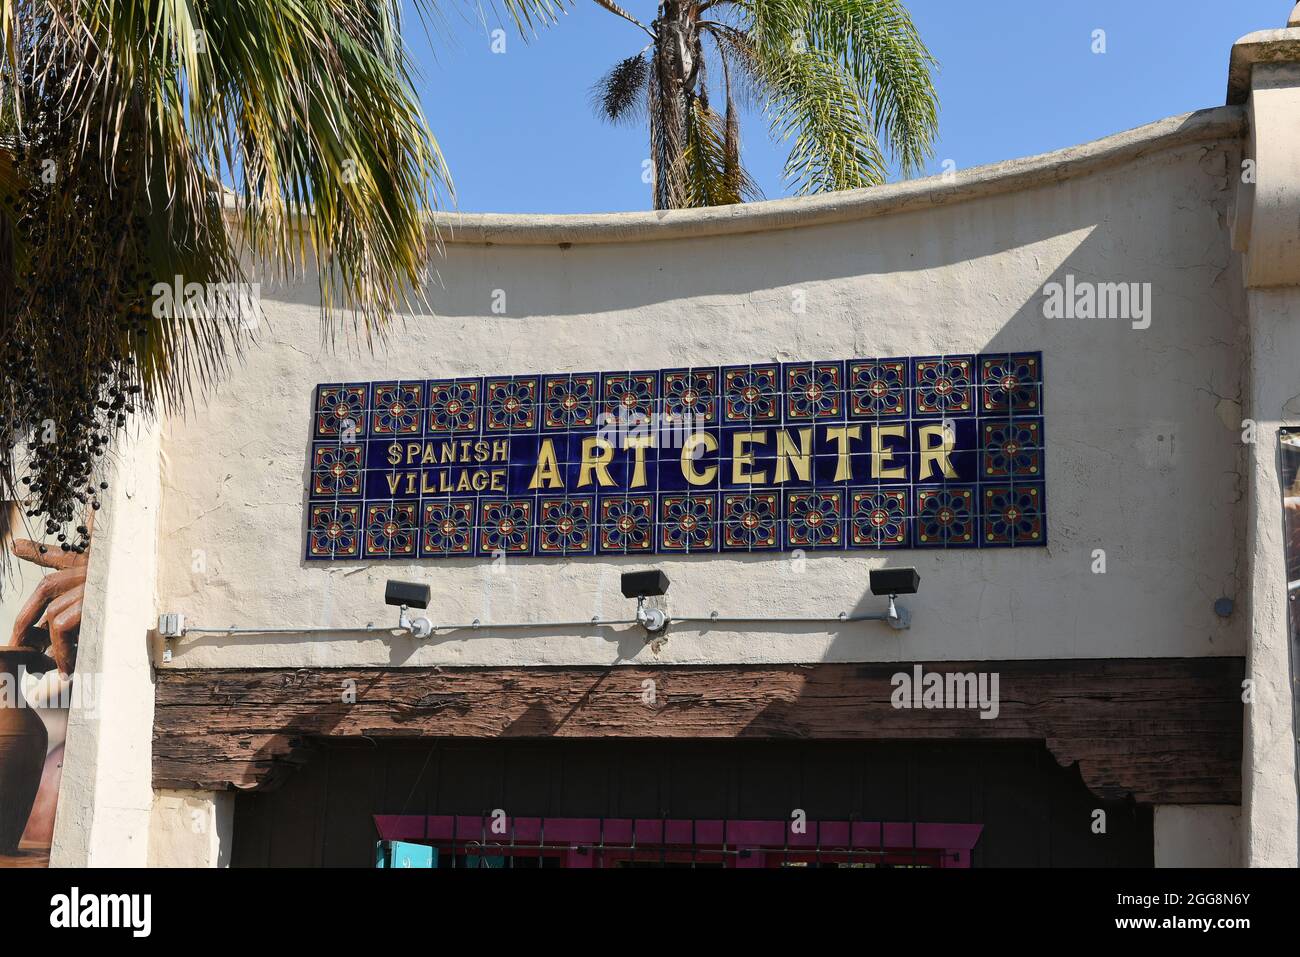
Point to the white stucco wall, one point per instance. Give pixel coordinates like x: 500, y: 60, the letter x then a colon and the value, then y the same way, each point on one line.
x: 1197, y: 835
x: 191, y: 829
x: 106, y: 793
x: 1143, y: 457
x: 1265, y: 76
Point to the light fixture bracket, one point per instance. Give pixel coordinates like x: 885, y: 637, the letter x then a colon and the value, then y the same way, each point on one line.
x: 653, y: 620
x: 416, y: 628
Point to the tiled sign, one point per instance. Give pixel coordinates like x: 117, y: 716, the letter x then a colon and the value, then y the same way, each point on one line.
x: 931, y: 452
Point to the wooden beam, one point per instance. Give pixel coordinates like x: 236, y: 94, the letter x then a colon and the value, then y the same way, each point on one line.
x: 1164, y: 730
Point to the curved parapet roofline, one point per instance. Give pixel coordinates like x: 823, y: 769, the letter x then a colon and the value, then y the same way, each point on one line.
x: 1220, y: 123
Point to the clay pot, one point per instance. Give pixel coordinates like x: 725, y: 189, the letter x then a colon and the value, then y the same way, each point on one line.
x: 22, y: 746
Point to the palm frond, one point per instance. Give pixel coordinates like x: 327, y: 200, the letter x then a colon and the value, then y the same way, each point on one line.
x: 711, y: 174
x: 530, y: 14
x: 121, y: 124
x: 879, y: 46
x: 879, y: 50
x: 814, y: 105
x: 618, y: 11
x: 620, y: 95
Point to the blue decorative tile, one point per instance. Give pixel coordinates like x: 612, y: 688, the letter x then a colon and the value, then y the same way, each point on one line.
x: 751, y: 521
x: 878, y: 518
x: 505, y: 526
x: 814, y: 519
x: 1011, y: 447
x: 513, y: 403
x: 628, y: 397
x: 455, y: 406
x: 878, y: 388
x: 751, y: 394
x: 569, y: 401
x: 566, y: 525
x: 692, y: 395
x: 334, y: 531
x: 341, y: 411
x: 626, y: 525
x: 813, y: 391
x: 447, y: 527
x: 878, y: 453
x: 338, y: 470
x: 946, y: 517
x: 688, y: 522
x: 397, y: 409
x: 1011, y: 384
x: 943, y: 386
x: 1013, y: 514
x: 392, y: 529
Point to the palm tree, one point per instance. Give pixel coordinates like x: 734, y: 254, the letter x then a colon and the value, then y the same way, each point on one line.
x: 147, y: 141
x: 835, y: 78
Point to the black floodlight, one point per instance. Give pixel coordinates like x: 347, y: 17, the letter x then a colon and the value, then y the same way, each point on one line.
x: 894, y: 581
x: 644, y: 584
x: 407, y: 593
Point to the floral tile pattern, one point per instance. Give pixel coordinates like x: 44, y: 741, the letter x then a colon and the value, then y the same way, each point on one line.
x: 397, y: 409
x: 751, y: 522
x: 688, y: 523
x: 627, y: 524
x: 454, y: 405
x: 337, y: 469
x: 691, y: 394
x: 512, y: 403
x: 566, y: 526
x: 340, y: 410
x: 391, y: 530
x: 944, y: 451
x: 447, y: 528
x: 334, y: 531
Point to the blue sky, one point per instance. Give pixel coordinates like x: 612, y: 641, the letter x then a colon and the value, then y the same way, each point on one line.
x: 1016, y: 77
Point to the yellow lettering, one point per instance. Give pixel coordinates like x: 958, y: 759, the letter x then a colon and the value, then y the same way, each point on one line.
x: 788, y: 456
x: 393, y: 481
x: 930, y: 454
x: 500, y: 450
x: 639, y: 444
x: 596, y: 456
x: 742, y: 460
x: 498, y: 480
x: 880, y: 454
x: 395, y: 454
x: 548, y: 467
x: 694, y: 476
x: 841, y: 435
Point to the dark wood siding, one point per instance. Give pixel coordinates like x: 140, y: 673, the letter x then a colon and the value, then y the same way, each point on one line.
x: 1162, y: 730
x: 1035, y: 813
